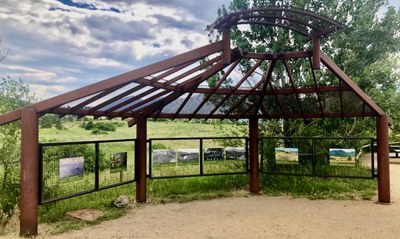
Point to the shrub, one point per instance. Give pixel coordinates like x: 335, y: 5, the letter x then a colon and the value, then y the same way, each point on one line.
x: 105, y: 126
x: 89, y: 125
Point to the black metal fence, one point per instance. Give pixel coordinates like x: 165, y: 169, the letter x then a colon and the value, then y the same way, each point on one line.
x: 317, y: 156
x: 200, y: 156
x: 69, y: 169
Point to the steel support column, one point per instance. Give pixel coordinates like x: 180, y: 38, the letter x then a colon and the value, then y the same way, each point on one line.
x: 382, y: 125
x: 141, y: 159
x: 253, y: 143
x: 29, y: 172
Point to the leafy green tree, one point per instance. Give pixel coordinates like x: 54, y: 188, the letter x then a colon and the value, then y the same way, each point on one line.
x: 366, y: 49
x: 13, y: 94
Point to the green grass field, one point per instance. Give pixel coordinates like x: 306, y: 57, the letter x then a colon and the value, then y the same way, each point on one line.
x: 155, y: 129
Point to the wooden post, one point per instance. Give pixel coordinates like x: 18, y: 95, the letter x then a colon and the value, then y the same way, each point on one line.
x: 316, y: 45
x: 253, y: 143
x: 382, y: 126
x: 141, y: 159
x: 226, y: 37
x: 29, y: 172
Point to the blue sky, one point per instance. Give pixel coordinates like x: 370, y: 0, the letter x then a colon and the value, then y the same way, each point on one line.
x: 59, y: 45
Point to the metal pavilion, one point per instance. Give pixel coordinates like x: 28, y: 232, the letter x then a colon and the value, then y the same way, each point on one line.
x: 179, y: 87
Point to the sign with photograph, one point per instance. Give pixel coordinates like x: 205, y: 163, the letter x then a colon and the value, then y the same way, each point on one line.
x: 118, y: 162
x: 188, y: 155
x: 70, y: 167
x: 164, y: 156
x: 214, y: 154
x: 338, y: 155
x: 233, y: 153
x: 287, y: 155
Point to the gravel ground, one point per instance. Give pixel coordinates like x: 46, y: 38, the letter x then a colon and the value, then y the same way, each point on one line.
x: 256, y: 217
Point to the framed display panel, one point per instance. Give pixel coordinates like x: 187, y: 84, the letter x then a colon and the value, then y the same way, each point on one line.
x: 174, y: 157
x: 287, y: 155
x: 71, y: 167
x: 116, y: 162
x: 224, y: 155
x: 66, y: 169
x: 342, y: 157
x: 292, y: 156
x: 338, y: 157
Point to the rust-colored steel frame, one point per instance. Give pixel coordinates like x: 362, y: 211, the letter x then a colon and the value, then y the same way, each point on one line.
x: 260, y: 16
x: 161, y: 83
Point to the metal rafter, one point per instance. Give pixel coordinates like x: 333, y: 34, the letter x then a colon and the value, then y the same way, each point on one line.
x: 265, y: 79
x: 251, y: 92
x: 293, y: 85
x: 149, y: 110
x: 317, y: 90
x: 341, y: 98
x: 217, y: 85
x: 232, y: 91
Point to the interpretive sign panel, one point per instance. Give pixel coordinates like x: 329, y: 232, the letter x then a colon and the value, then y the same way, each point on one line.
x: 188, y: 155
x: 164, y: 156
x: 214, y: 154
x: 287, y: 155
x: 233, y: 153
x: 338, y: 155
x: 118, y: 162
x: 70, y: 167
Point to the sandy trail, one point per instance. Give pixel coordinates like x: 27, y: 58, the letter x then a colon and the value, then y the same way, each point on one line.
x: 257, y: 217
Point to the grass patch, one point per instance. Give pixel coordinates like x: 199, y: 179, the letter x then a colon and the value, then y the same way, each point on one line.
x: 319, y: 188
x: 189, y: 189
x: 155, y: 129
x: 54, y: 213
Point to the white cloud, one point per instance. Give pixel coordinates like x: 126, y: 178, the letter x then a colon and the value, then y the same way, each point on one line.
x: 52, y: 45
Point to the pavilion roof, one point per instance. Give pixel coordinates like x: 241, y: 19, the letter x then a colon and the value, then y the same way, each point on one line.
x: 202, y: 84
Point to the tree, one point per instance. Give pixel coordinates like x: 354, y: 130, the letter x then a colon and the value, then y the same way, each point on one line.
x: 13, y: 94
x: 365, y: 49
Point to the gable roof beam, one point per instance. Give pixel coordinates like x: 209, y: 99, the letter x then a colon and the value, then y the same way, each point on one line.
x: 124, y: 78
x: 346, y: 79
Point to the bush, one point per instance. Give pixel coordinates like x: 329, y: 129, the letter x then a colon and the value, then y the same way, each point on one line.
x: 89, y: 125
x: 99, y: 127
x: 59, y: 125
x: 105, y: 126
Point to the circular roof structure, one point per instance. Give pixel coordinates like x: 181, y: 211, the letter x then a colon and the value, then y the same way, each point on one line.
x: 302, y: 21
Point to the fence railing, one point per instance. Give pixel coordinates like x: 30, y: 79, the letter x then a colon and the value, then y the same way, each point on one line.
x: 69, y: 169
x: 197, y: 156
x: 316, y: 156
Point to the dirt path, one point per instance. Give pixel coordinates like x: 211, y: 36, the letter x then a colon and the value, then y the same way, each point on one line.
x: 257, y: 217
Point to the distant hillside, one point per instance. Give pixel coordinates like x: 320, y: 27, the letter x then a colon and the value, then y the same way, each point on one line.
x: 340, y: 152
